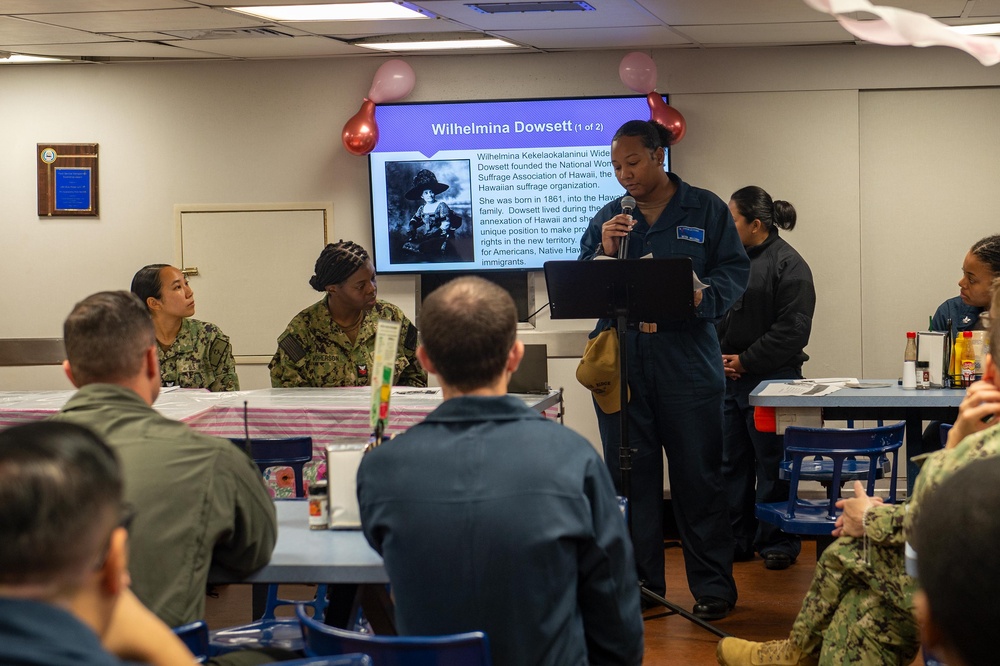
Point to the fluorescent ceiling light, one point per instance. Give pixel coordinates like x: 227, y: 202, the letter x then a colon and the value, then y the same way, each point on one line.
x: 438, y: 45
x: 978, y: 29
x: 350, y: 11
x: 17, y: 58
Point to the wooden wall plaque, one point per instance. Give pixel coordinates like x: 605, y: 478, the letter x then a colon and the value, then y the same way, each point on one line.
x: 67, y: 179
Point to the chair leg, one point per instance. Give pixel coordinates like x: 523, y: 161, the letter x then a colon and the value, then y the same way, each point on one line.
x: 378, y: 609
x: 258, y: 598
x: 822, y: 542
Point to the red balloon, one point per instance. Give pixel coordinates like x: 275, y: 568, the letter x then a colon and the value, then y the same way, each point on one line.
x: 667, y: 116
x: 361, y: 132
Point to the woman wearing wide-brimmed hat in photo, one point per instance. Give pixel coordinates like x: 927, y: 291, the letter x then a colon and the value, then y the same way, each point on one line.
x: 433, y: 224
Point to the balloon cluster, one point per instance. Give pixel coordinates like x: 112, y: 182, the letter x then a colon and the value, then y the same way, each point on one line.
x: 638, y: 72
x: 393, y: 81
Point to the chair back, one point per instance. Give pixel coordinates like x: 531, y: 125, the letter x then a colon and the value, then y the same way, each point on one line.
x: 292, y: 452
x: 945, y: 428
x: 799, y: 516
x: 338, y: 660
x: 195, y: 636
x: 467, y: 649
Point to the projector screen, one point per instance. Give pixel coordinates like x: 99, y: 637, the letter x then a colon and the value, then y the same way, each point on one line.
x: 498, y: 185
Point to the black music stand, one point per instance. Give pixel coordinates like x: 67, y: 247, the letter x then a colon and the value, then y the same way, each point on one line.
x: 628, y: 291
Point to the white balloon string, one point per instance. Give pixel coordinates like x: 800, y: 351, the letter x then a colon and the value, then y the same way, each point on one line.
x: 901, y: 27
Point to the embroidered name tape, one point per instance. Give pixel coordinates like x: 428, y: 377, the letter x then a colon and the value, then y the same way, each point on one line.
x: 693, y: 234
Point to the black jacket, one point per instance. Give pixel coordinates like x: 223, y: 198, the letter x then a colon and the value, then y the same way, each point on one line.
x: 769, y: 325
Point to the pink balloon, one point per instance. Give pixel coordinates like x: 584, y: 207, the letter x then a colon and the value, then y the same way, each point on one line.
x: 393, y: 80
x: 361, y: 132
x: 638, y: 72
x: 667, y: 116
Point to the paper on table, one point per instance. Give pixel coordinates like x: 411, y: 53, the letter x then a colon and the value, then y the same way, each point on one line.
x: 814, y: 387
x: 695, y: 280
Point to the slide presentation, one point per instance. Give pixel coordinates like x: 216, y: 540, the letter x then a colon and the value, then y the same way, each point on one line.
x: 468, y: 186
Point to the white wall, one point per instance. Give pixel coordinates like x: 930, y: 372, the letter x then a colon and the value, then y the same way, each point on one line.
x: 872, y: 174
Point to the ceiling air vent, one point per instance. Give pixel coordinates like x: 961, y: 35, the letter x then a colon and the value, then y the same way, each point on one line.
x: 226, y: 33
x: 521, y: 7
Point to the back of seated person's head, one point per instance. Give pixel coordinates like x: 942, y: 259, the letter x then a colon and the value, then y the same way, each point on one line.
x: 468, y: 327
x: 106, y: 336
x: 957, y: 539
x: 61, y: 498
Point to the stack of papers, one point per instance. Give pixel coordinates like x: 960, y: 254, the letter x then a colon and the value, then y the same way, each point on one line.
x: 815, y: 387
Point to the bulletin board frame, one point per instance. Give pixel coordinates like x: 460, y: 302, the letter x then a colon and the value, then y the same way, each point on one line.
x: 67, y: 179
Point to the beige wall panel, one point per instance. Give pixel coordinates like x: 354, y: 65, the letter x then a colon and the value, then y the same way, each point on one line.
x: 801, y: 147
x: 928, y: 183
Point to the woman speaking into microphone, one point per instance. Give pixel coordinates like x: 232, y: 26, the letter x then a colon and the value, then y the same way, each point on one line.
x: 675, y: 373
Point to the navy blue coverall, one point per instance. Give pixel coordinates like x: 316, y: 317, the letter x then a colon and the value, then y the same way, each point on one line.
x: 677, y: 389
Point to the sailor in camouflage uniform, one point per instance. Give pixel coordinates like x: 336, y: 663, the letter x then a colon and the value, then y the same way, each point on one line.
x: 332, y: 342
x: 192, y: 353
x: 859, y: 608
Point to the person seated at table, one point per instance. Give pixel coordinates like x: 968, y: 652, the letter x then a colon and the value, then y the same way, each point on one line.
x: 491, y: 517
x: 969, y: 311
x: 332, y: 343
x: 957, y: 566
x: 64, y: 595
x: 200, y: 500
x: 859, y: 608
x: 192, y: 353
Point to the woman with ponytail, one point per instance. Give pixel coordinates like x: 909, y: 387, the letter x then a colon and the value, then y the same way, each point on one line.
x: 763, y: 336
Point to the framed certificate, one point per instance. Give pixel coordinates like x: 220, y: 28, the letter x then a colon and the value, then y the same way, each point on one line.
x: 67, y: 179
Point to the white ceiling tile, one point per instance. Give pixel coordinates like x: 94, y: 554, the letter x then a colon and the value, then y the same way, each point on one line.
x: 352, y: 29
x: 62, y: 6
x: 114, y: 50
x: 602, y: 38
x: 291, y: 47
x: 768, y: 33
x: 17, y: 31
x: 153, y: 20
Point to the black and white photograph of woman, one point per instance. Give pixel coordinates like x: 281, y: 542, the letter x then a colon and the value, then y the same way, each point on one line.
x: 438, y: 228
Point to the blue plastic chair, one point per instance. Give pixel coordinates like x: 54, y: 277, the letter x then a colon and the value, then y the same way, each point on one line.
x: 339, y: 660
x: 292, y: 452
x: 944, y: 429
x: 195, y: 637
x: 801, y: 516
x: 468, y: 649
x: 270, y: 631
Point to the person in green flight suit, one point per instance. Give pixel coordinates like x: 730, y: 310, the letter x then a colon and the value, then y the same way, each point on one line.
x: 332, y: 342
x: 192, y: 353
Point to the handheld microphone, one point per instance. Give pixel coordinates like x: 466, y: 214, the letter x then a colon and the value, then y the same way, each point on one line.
x: 628, y: 205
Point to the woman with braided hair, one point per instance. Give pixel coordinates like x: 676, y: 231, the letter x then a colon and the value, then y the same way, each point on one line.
x: 332, y: 343
x: 969, y: 311
x: 966, y: 311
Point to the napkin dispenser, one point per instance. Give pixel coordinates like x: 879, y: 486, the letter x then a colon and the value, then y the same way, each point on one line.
x: 342, y: 462
x: 933, y: 347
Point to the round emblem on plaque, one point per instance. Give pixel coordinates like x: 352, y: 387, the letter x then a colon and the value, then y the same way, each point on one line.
x: 49, y: 156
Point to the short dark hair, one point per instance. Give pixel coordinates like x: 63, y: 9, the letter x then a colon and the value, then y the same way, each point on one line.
x: 106, y: 336
x: 956, y: 535
x: 653, y: 134
x: 754, y: 203
x: 468, y: 327
x: 60, y: 493
x: 337, y: 262
x: 147, y: 283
